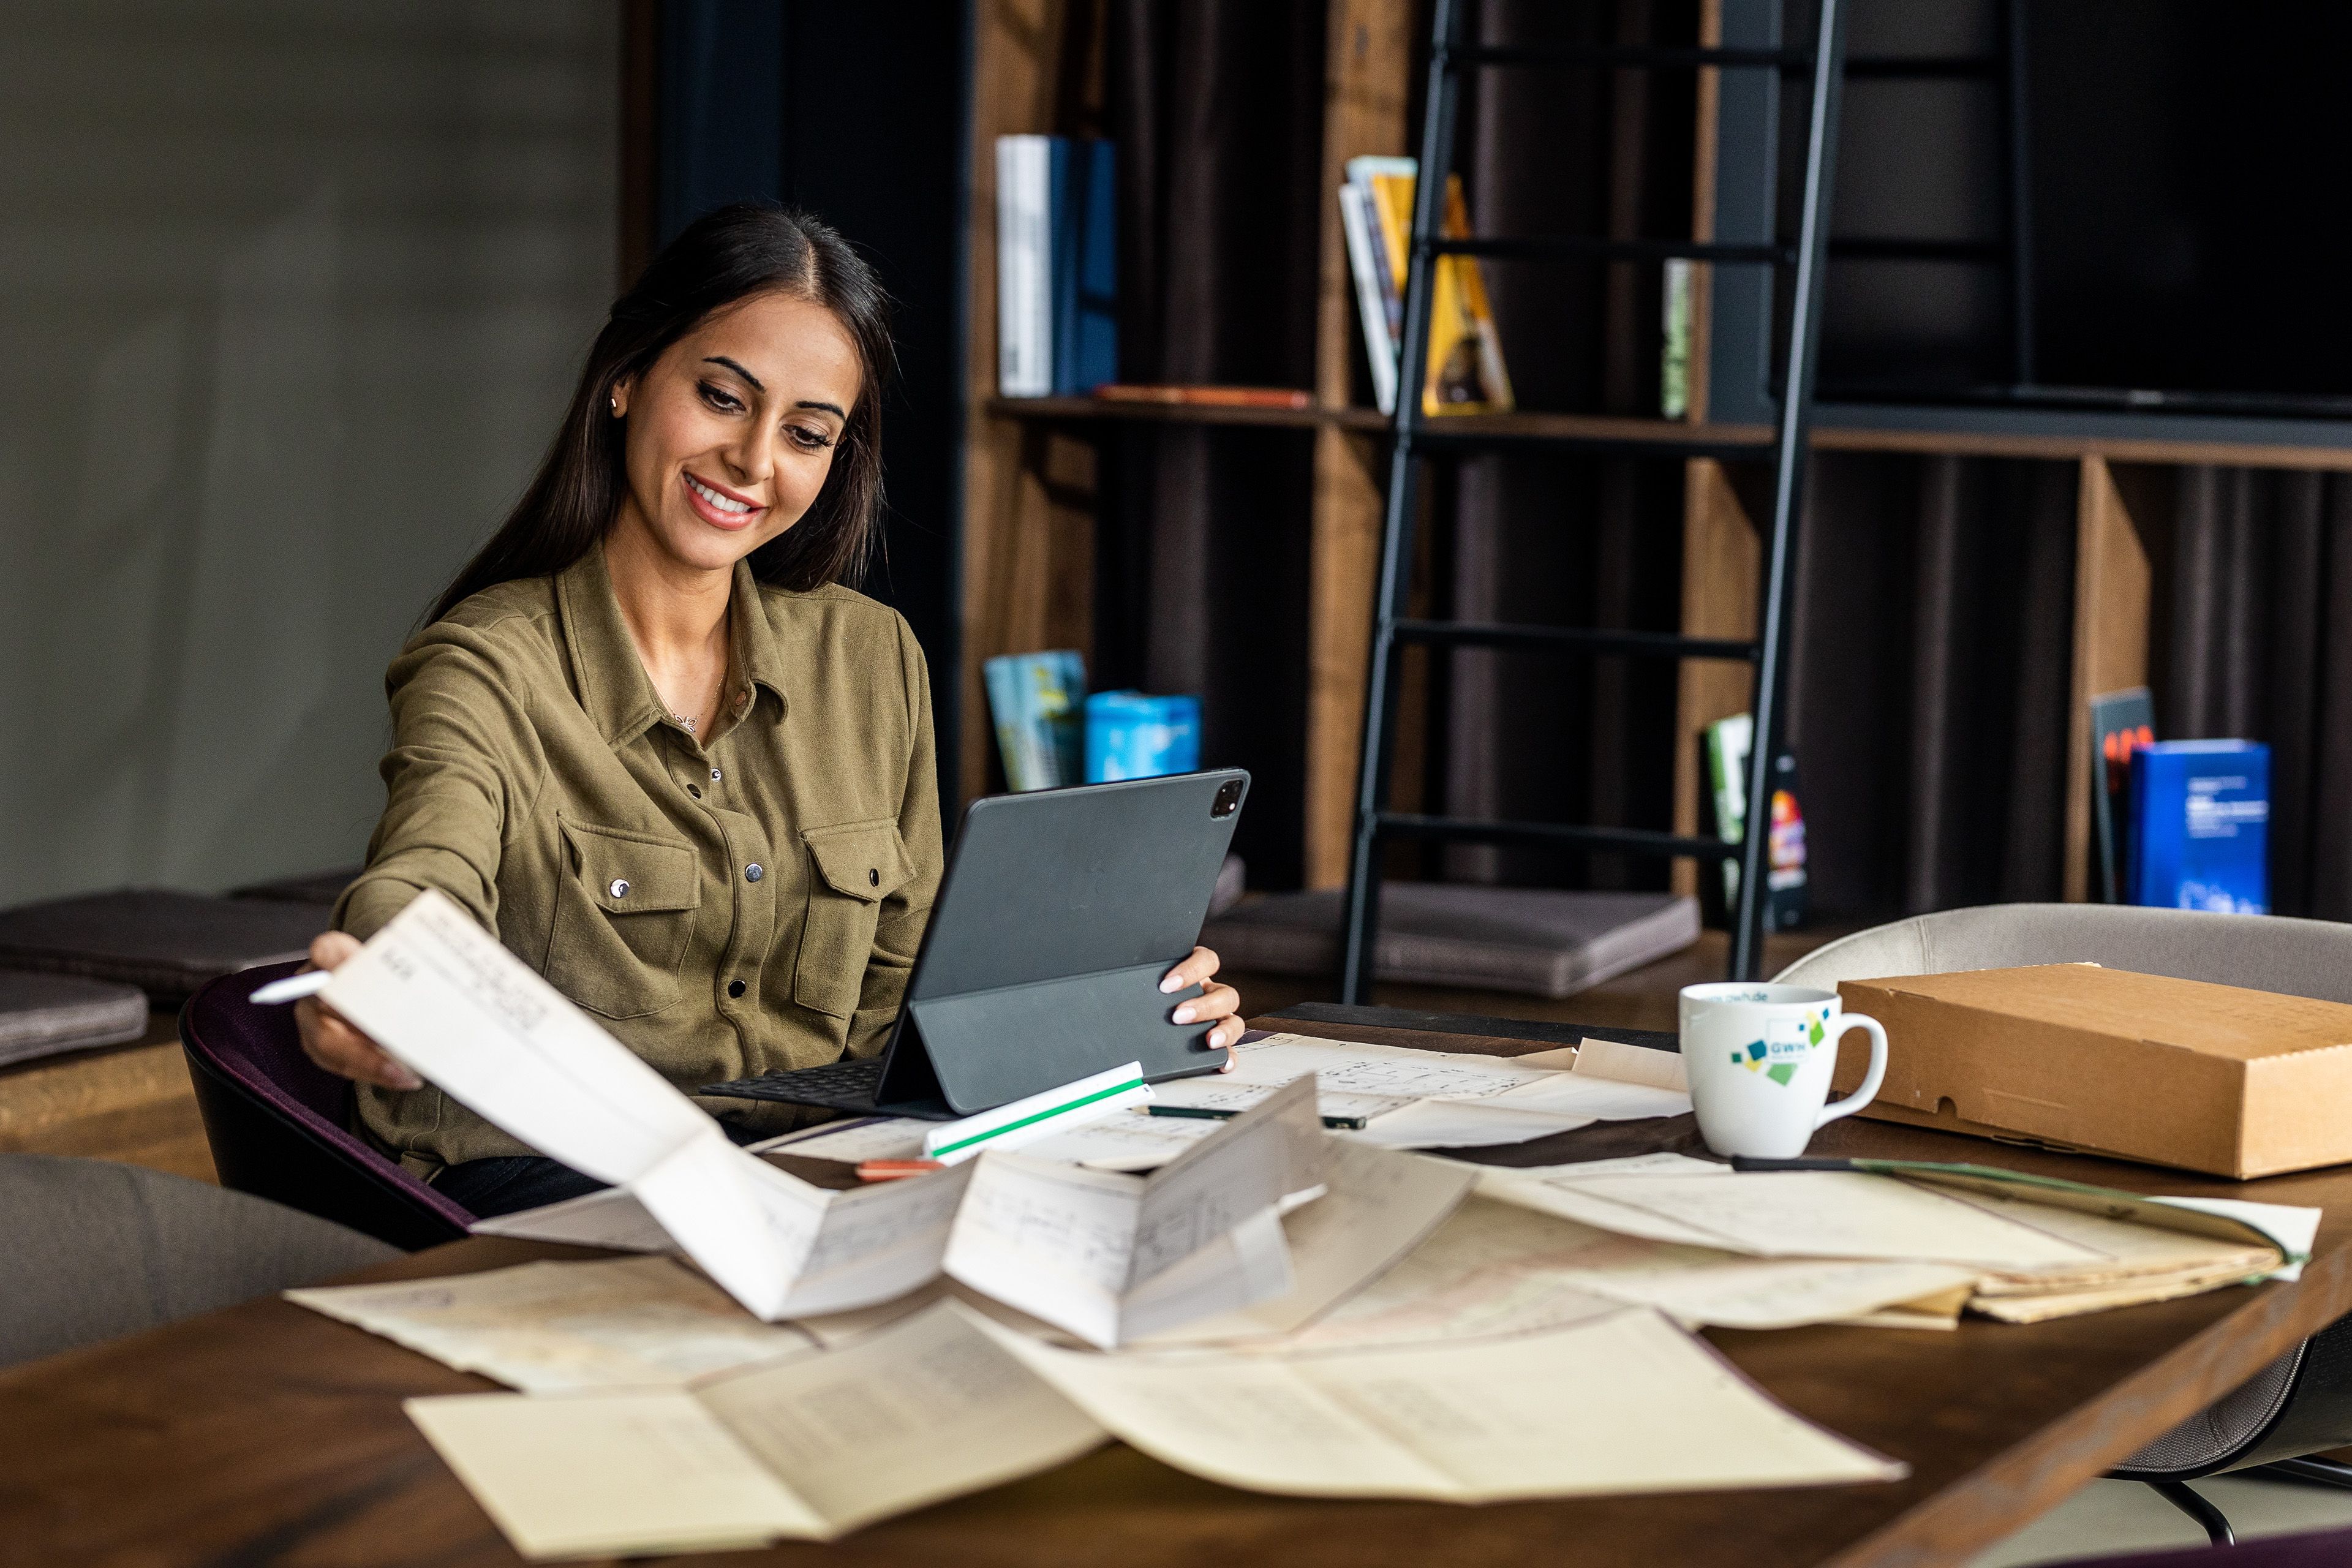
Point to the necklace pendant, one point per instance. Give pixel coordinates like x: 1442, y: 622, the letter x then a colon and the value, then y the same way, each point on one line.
x: 685, y: 721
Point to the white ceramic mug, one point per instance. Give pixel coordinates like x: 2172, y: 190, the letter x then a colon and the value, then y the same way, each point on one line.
x: 1759, y: 1058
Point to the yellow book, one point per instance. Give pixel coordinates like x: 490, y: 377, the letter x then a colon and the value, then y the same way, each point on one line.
x: 1465, y: 373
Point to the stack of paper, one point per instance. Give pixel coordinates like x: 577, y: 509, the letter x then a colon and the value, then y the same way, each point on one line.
x: 1499, y: 1269
x: 1406, y: 1100
x: 944, y: 1402
x: 1442, y: 1100
x: 1203, y: 1236
x: 806, y: 1449
x: 557, y: 1328
x: 2032, y: 1249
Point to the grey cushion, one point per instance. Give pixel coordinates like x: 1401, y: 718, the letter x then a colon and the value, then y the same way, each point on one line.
x: 1532, y: 940
x: 316, y: 887
x: 2260, y: 953
x: 167, y: 944
x: 44, y: 1015
x: 96, y: 1250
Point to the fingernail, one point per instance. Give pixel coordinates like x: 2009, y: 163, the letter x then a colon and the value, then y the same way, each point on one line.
x: 1170, y: 983
x: 1184, y: 1014
x: 406, y: 1080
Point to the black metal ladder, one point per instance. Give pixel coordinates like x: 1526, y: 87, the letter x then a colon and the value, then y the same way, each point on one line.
x: 1414, y: 432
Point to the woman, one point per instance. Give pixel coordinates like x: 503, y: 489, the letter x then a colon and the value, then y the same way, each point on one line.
x: 652, y: 740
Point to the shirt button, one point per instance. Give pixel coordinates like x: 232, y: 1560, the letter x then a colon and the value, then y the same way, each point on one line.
x: 873, y: 876
x: 752, y: 872
x: 694, y: 789
x: 734, y: 988
x: 716, y: 775
x: 620, y: 888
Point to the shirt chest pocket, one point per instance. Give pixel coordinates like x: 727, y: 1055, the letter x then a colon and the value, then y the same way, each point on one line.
x: 623, y: 914
x: 852, y: 869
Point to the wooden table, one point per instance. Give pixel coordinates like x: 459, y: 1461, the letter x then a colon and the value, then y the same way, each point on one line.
x: 267, y: 1433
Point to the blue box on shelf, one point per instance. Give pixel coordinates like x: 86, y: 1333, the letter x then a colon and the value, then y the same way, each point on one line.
x: 1132, y: 736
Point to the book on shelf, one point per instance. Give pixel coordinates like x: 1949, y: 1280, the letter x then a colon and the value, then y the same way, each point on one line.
x: 1726, y: 743
x: 1206, y: 396
x: 2200, y: 827
x: 1372, y: 292
x: 1025, y: 366
x: 1057, y: 266
x: 1037, y: 702
x: 1465, y: 374
x: 1675, y: 349
x: 2122, y: 723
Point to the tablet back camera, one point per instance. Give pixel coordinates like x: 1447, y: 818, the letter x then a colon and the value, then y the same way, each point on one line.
x: 1229, y: 799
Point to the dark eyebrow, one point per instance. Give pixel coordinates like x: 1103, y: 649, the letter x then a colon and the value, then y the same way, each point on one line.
x: 833, y: 408
x: 738, y: 369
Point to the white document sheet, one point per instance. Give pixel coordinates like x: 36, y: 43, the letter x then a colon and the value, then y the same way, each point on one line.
x: 1497, y: 1268
x: 1110, y: 1257
x: 1432, y: 1100
x: 2039, y: 1249
x: 855, y: 1249
x: 811, y: 1448
x: 560, y: 1328
x: 440, y: 992
x: 1380, y: 1206
x: 1620, y: 1403
x: 1795, y: 1214
x: 2295, y: 1230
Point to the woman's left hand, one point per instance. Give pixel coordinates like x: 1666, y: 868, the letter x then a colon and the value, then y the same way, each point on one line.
x: 1221, y: 1002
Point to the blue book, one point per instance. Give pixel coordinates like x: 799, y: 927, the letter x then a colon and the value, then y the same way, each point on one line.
x: 1083, y: 214
x: 1035, y: 700
x: 2200, y: 827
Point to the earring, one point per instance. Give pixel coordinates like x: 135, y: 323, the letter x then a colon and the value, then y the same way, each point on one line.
x: 616, y: 401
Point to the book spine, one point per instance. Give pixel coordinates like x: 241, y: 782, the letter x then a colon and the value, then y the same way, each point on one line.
x: 1002, y: 679
x: 1096, y: 357
x: 1727, y: 757
x: 1065, y: 213
x: 1024, y: 326
x: 1365, y: 263
x: 1012, y: 332
x: 1674, y: 361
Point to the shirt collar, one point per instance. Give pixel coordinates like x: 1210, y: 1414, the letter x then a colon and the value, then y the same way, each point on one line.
x: 614, y: 687
x: 757, y: 660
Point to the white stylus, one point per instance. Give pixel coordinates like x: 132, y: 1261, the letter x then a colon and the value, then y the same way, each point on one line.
x: 293, y: 988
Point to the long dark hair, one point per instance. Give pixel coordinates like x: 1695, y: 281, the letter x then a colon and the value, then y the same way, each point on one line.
x: 751, y: 248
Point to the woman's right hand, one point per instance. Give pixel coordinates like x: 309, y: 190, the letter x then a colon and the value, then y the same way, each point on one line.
x: 328, y: 1037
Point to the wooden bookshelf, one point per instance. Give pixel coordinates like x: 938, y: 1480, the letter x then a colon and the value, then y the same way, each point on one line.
x: 1080, y: 409
x: 1030, y: 468
x: 1924, y: 440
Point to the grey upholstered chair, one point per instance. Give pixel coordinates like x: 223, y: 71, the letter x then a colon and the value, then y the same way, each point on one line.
x: 2300, y: 1404
x: 97, y: 1250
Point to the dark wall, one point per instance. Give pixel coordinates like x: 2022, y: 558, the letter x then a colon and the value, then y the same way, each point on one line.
x: 857, y: 114
x: 2180, y: 157
x: 2189, y: 230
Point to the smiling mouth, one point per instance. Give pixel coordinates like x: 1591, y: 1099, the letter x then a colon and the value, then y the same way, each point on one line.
x: 717, y: 506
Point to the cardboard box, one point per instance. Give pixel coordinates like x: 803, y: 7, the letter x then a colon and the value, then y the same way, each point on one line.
x: 2174, y: 1072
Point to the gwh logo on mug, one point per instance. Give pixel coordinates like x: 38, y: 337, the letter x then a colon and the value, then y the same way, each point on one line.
x: 1760, y: 1059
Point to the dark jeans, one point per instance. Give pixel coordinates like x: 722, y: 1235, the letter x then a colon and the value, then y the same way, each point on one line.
x: 508, y: 1184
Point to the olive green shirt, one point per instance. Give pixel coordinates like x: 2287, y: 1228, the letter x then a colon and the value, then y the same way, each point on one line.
x: 745, y: 902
